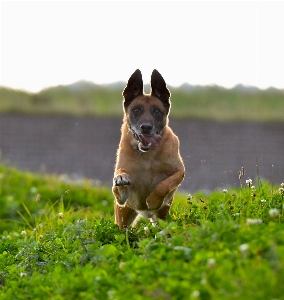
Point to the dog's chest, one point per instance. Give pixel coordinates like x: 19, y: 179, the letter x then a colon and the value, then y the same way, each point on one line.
x: 150, y: 172
x: 149, y: 165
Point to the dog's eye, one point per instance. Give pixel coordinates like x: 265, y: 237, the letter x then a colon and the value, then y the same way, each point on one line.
x: 136, y: 110
x: 156, y: 111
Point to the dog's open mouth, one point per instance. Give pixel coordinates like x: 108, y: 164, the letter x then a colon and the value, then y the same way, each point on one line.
x: 145, y: 143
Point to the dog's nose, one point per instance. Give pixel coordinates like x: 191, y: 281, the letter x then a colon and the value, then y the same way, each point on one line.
x: 146, y: 128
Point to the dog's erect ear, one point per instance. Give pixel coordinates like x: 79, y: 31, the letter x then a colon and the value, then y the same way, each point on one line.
x: 133, y: 88
x: 159, y: 89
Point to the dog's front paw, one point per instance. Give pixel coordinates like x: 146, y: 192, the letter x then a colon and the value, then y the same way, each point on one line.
x: 121, y: 179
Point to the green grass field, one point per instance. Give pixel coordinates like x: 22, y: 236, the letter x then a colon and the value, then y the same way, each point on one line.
x: 211, y: 103
x: 58, y: 241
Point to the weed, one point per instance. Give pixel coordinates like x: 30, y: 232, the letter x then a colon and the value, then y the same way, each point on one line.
x: 225, y: 245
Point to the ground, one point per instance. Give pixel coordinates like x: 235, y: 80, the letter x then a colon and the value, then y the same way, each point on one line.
x: 213, y: 152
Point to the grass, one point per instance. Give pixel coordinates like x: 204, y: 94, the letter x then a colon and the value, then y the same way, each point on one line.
x: 58, y: 241
x: 88, y: 99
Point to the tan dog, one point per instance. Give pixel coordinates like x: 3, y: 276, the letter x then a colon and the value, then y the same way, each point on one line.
x: 149, y: 167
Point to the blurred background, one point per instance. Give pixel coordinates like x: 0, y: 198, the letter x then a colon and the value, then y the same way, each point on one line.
x: 65, y: 64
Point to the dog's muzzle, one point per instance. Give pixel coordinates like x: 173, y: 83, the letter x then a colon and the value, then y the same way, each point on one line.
x: 145, y: 143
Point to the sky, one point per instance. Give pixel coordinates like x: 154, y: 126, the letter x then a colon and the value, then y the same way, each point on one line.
x: 47, y: 43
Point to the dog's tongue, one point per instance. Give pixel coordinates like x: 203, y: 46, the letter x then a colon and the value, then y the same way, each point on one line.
x: 154, y: 139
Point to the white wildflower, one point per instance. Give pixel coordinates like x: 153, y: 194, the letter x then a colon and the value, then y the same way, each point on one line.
x: 161, y: 233
x: 195, y: 294
x: 111, y: 294
x: 236, y: 215
x: 146, y: 230
x: 60, y: 215
x: 211, y: 263
x: 225, y: 191
x: 10, y: 198
x: 189, y: 197
x: 122, y: 265
x: 104, y: 202
x: 262, y: 201
x: 23, y: 274
x: 249, y: 182
x: 37, y: 197
x: 281, y: 190
x: 244, y: 249
x: 254, y: 221
x: 33, y: 190
x: 185, y: 250
x: 273, y: 212
x: 23, y: 233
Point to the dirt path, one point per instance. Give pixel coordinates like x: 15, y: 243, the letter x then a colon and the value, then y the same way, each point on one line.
x: 212, y: 152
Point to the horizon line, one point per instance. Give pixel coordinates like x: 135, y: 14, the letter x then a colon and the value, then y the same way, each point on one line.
x: 122, y: 82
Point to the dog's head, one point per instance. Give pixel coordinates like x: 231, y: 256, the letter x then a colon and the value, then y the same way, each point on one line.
x: 146, y: 114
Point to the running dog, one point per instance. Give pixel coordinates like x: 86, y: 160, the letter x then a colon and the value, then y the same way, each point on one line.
x: 149, y: 167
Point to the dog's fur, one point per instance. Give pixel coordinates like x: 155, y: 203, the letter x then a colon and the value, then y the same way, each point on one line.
x: 149, y: 167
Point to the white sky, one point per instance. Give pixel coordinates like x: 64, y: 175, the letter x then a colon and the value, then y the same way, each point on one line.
x: 46, y: 43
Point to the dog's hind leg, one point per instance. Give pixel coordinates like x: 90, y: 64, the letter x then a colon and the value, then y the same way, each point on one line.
x: 124, y: 216
x: 164, y: 211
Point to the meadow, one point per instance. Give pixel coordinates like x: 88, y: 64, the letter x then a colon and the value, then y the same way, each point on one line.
x: 58, y: 240
x: 208, y: 102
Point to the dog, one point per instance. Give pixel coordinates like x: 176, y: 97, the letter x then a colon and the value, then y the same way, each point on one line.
x: 149, y: 168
